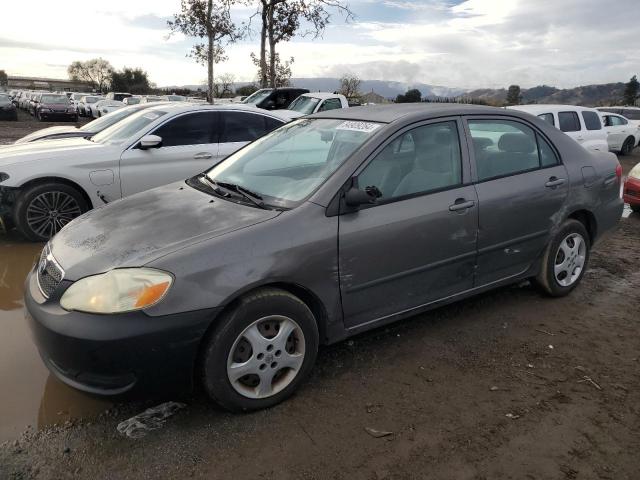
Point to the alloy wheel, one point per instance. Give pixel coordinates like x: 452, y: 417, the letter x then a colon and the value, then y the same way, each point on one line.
x: 50, y: 211
x: 266, y: 357
x: 570, y: 259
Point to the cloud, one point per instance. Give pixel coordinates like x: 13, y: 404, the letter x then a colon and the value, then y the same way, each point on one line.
x: 458, y: 43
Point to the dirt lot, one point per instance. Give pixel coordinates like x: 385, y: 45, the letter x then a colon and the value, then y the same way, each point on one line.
x: 509, y: 384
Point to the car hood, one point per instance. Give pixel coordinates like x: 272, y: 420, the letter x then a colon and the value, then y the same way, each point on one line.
x: 141, y: 228
x: 46, y: 132
x: 290, y: 114
x: 36, y: 151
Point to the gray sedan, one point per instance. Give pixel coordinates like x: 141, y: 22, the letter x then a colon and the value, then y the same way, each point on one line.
x: 329, y: 226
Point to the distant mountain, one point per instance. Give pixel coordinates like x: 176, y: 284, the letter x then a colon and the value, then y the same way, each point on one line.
x: 381, y: 87
x: 588, y: 95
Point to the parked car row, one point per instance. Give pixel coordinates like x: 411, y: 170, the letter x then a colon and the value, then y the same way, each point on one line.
x: 77, y: 104
x: 595, y: 129
x: 234, y: 276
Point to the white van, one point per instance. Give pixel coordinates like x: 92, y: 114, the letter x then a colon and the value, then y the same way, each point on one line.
x: 582, y: 124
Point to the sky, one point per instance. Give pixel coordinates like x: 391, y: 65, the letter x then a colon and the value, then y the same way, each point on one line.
x: 454, y: 43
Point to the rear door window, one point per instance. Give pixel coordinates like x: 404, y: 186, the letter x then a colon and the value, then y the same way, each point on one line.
x: 569, y: 122
x: 592, y: 120
x: 243, y: 127
x: 505, y: 147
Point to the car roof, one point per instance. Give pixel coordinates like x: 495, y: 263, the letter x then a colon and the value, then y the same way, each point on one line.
x: 548, y: 108
x: 179, y: 107
x: 391, y: 113
x: 321, y: 95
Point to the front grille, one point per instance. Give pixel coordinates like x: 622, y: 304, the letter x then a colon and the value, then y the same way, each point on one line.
x: 49, y: 272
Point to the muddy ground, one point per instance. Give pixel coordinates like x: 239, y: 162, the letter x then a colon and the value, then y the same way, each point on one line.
x: 509, y: 384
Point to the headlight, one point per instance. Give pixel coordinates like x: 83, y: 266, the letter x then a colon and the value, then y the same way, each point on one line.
x: 635, y: 172
x: 120, y: 290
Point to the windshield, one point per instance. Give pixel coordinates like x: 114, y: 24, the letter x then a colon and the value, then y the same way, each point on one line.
x: 123, y: 130
x: 258, y: 96
x: 107, y: 120
x: 304, y: 105
x: 4, y: 98
x: 287, y: 165
x: 133, y: 100
x: 92, y: 99
x: 54, y: 99
x: 176, y: 98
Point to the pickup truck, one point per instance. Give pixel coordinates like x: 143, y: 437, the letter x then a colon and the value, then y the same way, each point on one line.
x: 309, y: 103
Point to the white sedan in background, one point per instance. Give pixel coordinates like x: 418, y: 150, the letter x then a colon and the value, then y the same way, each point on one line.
x: 104, y: 107
x: 309, y: 103
x: 44, y: 185
x: 623, y: 136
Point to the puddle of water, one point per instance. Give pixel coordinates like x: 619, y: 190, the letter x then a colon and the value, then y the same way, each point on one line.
x: 30, y: 395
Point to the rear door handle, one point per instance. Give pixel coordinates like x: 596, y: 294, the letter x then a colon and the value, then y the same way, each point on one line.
x: 461, y: 204
x: 202, y: 156
x: 554, y: 182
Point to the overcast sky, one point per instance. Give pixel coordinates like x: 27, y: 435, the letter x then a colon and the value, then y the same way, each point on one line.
x: 455, y: 43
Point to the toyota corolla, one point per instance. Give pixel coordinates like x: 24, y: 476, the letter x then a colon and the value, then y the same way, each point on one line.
x: 331, y: 225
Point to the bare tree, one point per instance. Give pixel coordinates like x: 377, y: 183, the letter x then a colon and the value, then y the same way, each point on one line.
x: 96, y: 71
x: 350, y: 86
x: 210, y: 20
x: 224, y: 84
x: 281, y: 21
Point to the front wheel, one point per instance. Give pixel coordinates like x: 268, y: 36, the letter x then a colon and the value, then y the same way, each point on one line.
x: 43, y: 209
x: 260, y: 351
x: 565, y: 260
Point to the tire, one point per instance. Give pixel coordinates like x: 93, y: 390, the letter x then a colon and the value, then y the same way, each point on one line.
x: 627, y: 146
x: 570, y: 273
x: 635, y: 208
x: 31, y: 206
x: 226, y: 345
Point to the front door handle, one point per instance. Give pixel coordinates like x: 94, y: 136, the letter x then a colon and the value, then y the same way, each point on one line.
x: 202, y: 156
x: 461, y: 204
x: 554, y: 182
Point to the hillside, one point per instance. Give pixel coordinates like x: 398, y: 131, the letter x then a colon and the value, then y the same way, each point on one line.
x: 588, y: 95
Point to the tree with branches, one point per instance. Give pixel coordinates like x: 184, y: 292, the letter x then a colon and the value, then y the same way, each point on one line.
x: 210, y: 21
x: 282, y: 71
x: 631, y: 91
x: 96, y: 71
x: 224, y: 85
x: 350, y: 86
x: 281, y: 20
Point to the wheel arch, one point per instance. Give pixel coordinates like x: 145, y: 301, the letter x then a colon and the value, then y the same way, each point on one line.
x: 65, y: 181
x: 588, y: 219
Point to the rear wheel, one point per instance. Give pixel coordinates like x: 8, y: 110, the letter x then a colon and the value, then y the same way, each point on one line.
x: 565, y: 260
x: 260, y: 351
x: 628, y: 146
x: 43, y: 209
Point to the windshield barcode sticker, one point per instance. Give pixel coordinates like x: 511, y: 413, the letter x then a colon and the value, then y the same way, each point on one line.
x: 367, y: 127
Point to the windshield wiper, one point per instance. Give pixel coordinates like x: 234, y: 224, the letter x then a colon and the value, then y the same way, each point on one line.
x: 253, y: 197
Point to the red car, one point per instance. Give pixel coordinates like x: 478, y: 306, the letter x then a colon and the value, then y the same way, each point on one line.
x: 632, y: 189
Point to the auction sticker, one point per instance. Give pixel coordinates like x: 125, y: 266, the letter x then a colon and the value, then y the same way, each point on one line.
x: 366, y: 127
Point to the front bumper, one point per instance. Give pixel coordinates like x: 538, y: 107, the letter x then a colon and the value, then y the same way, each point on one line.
x: 112, y: 354
x: 631, y: 191
x: 58, y: 115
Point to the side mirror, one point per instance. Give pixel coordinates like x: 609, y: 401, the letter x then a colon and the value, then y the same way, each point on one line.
x: 150, y: 141
x: 356, y: 197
